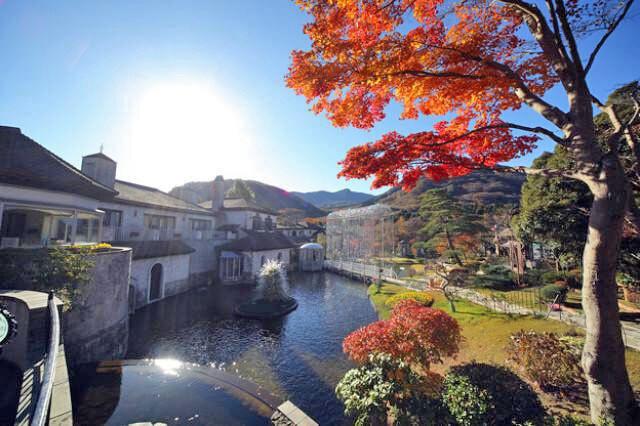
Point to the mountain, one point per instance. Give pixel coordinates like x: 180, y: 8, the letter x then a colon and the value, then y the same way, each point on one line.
x: 326, y: 199
x: 267, y: 196
x: 484, y: 187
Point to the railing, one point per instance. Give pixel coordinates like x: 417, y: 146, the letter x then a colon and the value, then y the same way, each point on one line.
x: 44, y: 398
x: 113, y: 233
x: 205, y: 234
x: 162, y: 234
x: 363, y: 269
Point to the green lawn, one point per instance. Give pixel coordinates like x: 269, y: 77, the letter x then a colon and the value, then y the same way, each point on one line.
x: 487, y: 334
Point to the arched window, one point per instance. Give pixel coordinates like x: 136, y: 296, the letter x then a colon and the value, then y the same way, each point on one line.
x: 262, y: 261
x: 279, y: 255
x: 155, y: 282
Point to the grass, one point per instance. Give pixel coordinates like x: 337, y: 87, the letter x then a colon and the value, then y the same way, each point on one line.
x: 486, y: 335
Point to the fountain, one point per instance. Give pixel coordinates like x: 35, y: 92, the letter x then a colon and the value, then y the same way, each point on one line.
x: 272, y: 300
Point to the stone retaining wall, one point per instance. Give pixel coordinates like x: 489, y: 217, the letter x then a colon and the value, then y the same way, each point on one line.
x: 97, y: 326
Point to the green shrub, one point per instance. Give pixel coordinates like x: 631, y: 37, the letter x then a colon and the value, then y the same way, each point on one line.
x: 386, y: 386
x: 421, y: 297
x: 551, y: 277
x: 533, y: 277
x: 546, y: 359
x: 497, y: 277
x: 549, y: 292
x: 482, y: 394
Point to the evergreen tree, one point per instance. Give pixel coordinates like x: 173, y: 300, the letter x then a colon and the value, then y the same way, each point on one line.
x: 241, y: 190
x: 444, y: 220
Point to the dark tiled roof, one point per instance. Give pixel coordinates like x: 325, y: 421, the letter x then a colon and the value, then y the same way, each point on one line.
x: 240, y: 204
x: 132, y: 193
x: 228, y: 227
x: 149, y: 249
x: 259, y: 241
x: 24, y: 162
x: 100, y: 155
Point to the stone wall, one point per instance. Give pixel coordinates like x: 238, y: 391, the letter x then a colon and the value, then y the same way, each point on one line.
x: 97, y: 326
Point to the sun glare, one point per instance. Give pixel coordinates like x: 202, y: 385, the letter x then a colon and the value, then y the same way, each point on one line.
x: 187, y: 131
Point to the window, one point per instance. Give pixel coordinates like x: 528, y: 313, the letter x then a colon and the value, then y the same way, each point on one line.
x: 262, y: 261
x: 200, y: 224
x: 268, y: 223
x: 155, y: 282
x: 112, y: 217
x: 279, y: 255
x: 155, y: 221
x: 257, y: 222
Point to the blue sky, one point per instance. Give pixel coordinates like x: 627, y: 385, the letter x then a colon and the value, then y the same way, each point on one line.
x: 177, y: 91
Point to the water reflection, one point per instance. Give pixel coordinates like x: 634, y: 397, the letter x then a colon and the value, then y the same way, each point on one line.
x: 167, y: 391
x: 298, y: 357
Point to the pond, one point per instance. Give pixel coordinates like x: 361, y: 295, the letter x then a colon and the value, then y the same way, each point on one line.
x: 298, y: 357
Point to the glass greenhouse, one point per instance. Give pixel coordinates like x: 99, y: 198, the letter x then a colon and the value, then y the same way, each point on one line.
x: 364, y: 235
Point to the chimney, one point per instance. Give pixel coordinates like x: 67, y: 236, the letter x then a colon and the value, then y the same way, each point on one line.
x: 217, y: 200
x: 101, y: 168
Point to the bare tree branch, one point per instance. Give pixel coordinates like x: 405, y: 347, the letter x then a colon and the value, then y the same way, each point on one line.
x: 606, y: 35
x: 568, y: 35
x: 547, y: 40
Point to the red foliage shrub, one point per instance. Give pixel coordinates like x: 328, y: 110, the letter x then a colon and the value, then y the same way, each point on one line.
x: 414, y: 334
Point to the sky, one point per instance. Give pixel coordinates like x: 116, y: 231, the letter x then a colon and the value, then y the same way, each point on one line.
x: 179, y: 91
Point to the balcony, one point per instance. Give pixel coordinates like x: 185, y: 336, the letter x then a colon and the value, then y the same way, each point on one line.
x: 33, y: 226
x: 114, y: 233
x: 162, y: 234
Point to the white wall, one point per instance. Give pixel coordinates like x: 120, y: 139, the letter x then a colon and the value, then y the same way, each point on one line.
x: 255, y: 258
x: 244, y: 218
x: 175, y: 273
x: 133, y: 219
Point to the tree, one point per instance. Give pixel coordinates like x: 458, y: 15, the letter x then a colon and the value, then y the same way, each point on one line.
x: 413, y: 334
x: 471, y: 61
x: 446, y: 221
x: 240, y: 189
x: 554, y: 211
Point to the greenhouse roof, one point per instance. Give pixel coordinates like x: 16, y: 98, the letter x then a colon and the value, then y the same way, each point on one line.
x: 375, y: 210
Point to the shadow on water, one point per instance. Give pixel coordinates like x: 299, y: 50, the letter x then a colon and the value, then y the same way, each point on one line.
x: 297, y: 357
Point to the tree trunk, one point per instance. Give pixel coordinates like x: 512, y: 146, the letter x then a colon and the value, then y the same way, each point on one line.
x: 450, y: 245
x: 603, y: 357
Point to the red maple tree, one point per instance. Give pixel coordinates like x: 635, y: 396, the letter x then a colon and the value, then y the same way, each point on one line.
x: 469, y: 61
x: 413, y: 333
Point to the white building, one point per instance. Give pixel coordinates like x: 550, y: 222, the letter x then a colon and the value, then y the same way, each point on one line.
x: 245, y: 214
x: 241, y: 259
x: 45, y: 201
x: 301, y: 232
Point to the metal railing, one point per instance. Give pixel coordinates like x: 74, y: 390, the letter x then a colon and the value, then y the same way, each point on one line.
x: 44, y: 398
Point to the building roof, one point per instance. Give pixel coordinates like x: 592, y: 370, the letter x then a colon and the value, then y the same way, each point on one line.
x: 150, y: 249
x: 24, y: 162
x: 240, y: 204
x: 228, y: 227
x: 259, y: 241
x: 311, y: 246
x: 140, y: 195
x: 100, y: 155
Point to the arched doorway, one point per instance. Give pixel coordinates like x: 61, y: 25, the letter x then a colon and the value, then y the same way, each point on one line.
x: 155, y: 282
